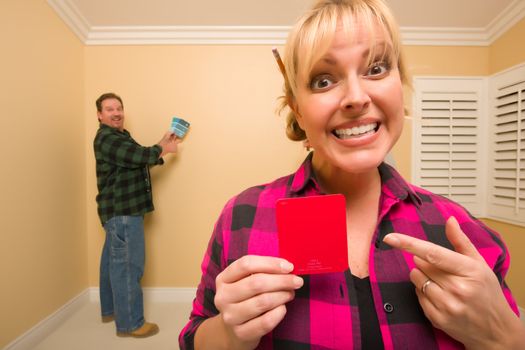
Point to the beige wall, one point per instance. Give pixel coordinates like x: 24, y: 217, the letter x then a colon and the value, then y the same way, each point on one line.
x: 228, y: 93
x: 447, y: 60
x: 508, y: 50
x: 43, y: 260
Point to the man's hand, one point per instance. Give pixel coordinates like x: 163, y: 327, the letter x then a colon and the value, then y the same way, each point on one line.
x: 169, y: 143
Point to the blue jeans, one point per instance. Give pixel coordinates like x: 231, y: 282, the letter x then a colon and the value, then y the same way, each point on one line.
x: 121, y: 269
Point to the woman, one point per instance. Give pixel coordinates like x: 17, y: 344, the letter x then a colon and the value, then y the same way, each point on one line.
x: 438, y: 285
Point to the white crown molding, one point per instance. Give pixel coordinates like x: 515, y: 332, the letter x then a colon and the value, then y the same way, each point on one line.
x: 437, y: 36
x: 268, y: 35
x: 512, y: 14
x: 71, y: 15
x: 187, y: 35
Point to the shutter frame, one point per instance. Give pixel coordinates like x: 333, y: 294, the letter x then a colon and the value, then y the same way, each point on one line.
x: 450, y: 116
x: 506, y: 198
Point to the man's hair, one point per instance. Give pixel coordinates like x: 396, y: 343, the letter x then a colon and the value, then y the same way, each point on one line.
x: 106, y: 96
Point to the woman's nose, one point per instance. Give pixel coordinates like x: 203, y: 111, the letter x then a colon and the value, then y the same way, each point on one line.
x: 355, y: 97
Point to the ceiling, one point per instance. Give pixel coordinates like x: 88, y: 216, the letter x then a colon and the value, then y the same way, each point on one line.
x: 95, y: 21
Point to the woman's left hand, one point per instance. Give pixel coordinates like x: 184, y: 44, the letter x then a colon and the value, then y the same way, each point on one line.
x: 459, y: 292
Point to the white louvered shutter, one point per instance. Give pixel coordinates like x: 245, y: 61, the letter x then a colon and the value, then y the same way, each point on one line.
x: 448, y: 150
x: 507, y: 120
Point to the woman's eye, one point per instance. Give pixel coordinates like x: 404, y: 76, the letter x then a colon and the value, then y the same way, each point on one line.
x: 378, y: 68
x: 321, y: 82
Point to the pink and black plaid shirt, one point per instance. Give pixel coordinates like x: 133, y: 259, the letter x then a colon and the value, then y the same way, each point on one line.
x: 324, y: 313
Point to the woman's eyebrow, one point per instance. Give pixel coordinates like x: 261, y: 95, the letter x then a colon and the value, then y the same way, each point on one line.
x: 380, y: 47
x: 328, y: 59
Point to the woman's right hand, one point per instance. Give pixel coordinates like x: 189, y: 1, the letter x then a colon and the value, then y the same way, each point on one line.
x: 251, y: 294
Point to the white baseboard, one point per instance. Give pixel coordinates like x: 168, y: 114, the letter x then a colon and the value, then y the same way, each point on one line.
x: 39, y: 332
x: 158, y: 295
x: 42, y: 329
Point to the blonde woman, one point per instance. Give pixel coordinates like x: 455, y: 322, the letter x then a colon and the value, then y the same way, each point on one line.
x: 436, y: 284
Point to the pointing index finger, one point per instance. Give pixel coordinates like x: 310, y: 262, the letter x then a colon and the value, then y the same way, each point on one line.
x: 440, y: 257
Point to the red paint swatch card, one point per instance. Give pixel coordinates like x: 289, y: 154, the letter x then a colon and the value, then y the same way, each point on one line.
x: 312, y: 233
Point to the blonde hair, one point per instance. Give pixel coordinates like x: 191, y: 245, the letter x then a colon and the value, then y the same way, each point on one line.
x: 313, y: 33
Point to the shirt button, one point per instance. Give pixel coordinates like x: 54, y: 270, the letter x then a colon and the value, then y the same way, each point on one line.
x: 388, y: 307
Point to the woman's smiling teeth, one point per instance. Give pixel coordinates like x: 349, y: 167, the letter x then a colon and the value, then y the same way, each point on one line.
x: 355, y: 131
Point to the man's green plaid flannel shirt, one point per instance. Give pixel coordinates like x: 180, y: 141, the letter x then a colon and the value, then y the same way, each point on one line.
x: 123, y: 180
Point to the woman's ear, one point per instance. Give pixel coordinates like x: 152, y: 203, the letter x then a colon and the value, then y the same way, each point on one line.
x: 295, y: 108
x: 292, y: 103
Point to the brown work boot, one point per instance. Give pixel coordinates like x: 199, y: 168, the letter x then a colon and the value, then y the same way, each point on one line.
x: 108, y: 318
x: 147, y: 330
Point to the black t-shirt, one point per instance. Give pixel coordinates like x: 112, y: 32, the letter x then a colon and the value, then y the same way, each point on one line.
x: 371, y: 338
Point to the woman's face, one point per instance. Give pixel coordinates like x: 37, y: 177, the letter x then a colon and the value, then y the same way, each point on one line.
x: 352, y: 110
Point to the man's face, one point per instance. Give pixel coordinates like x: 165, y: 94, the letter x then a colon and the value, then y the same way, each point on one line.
x: 112, y: 114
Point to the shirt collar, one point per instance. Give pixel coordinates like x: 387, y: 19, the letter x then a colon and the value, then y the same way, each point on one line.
x: 392, y: 183
x: 107, y: 127
x: 304, y: 176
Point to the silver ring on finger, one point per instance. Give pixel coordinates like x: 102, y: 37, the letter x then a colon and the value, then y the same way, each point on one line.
x: 425, y: 285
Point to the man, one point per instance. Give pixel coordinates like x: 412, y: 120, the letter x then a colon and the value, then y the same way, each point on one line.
x: 124, y: 196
